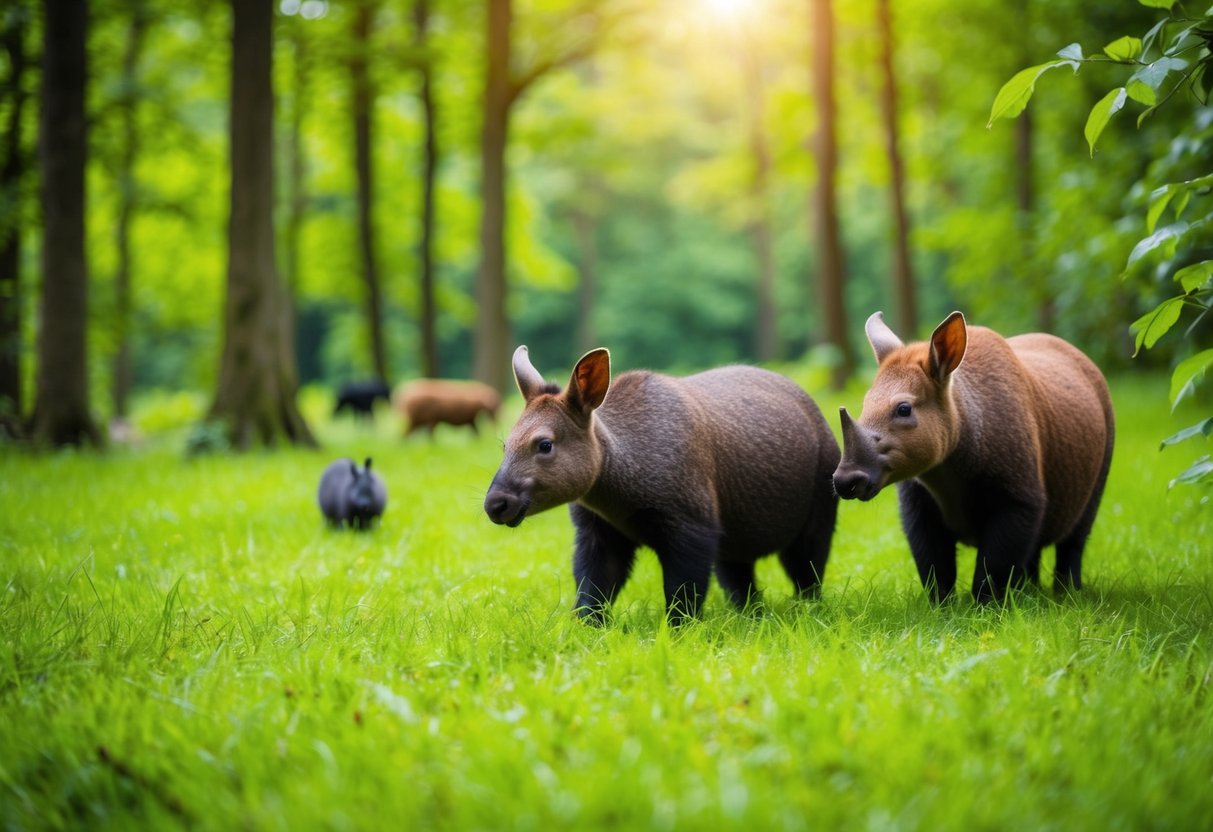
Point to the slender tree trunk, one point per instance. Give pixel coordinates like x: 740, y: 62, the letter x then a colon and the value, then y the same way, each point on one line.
x: 127, y: 206
x: 364, y: 102
x: 586, y: 227
x: 12, y: 174
x: 491, y: 348
x: 61, y: 406
x: 830, y: 266
x: 902, y: 272
x: 257, y: 375
x: 429, y: 168
x: 297, y: 195
x: 766, y: 333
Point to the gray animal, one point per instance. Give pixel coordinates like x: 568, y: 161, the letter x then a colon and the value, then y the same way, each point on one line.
x: 713, y: 470
x: 350, y: 495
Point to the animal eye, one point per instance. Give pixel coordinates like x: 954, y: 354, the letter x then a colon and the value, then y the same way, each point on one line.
x: 903, y: 410
x: 544, y: 446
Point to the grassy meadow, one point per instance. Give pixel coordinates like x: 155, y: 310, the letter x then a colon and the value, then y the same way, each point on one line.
x: 183, y: 643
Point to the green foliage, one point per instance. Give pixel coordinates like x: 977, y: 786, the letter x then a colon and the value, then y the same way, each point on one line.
x: 1171, y: 248
x: 184, y: 644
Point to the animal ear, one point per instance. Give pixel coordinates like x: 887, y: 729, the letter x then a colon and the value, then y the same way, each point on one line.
x: 590, y: 381
x: 948, y: 343
x: 529, y: 382
x: 882, y: 339
x: 368, y: 464
x: 353, y: 469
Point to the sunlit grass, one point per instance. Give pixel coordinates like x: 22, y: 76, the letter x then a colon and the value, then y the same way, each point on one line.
x: 184, y: 643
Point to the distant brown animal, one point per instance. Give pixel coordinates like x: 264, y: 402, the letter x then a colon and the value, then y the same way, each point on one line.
x: 712, y: 470
x: 429, y: 402
x: 1008, y: 451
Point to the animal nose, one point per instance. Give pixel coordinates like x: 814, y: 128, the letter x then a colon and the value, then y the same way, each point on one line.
x: 502, y: 507
x: 851, y: 484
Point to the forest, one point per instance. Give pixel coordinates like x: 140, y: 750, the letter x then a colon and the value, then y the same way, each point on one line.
x: 688, y: 182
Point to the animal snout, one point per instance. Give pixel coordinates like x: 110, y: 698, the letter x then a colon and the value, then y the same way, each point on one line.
x: 854, y: 483
x: 505, y: 508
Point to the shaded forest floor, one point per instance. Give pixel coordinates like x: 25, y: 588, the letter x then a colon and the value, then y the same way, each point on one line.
x: 184, y: 643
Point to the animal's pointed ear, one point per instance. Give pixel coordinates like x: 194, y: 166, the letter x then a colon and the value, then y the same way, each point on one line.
x: 883, y: 340
x: 590, y: 381
x: 948, y: 343
x: 353, y: 469
x: 367, y: 466
x: 529, y: 382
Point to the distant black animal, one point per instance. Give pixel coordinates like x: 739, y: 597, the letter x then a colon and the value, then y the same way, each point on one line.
x: 359, y: 397
x: 350, y: 495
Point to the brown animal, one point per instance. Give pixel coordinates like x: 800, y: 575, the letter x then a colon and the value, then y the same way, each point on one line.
x: 429, y: 402
x: 1007, y: 451
x: 716, y: 469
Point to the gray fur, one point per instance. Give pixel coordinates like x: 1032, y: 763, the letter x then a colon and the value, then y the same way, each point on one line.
x: 350, y: 495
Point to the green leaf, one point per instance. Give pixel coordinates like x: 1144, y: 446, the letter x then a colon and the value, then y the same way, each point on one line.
x: 1194, y: 276
x: 1205, y: 428
x: 1157, y: 4
x: 1158, y: 203
x: 1107, y: 107
x: 1165, y: 236
x: 1151, y: 76
x: 1155, y: 323
x: 1123, y: 49
x: 1182, y: 201
x: 1141, y: 93
x: 1152, y: 35
x: 1197, y: 472
x: 1015, y: 94
x: 1187, y: 373
x: 1072, y: 52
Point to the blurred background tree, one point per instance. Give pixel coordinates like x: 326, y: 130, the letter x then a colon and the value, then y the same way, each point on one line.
x: 633, y: 173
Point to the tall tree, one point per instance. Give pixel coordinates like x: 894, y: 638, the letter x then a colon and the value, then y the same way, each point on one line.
x: 429, y: 168
x: 363, y: 99
x: 61, y: 405
x: 297, y: 199
x: 127, y: 203
x: 902, y: 273
x: 831, y: 269
x: 1025, y: 191
x: 766, y: 333
x: 257, y: 374
x: 503, y: 87
x: 14, y: 26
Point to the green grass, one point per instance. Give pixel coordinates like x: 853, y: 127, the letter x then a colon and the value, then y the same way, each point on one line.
x: 185, y: 644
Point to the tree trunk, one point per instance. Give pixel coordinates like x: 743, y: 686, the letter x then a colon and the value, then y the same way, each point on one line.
x: 491, y: 346
x: 586, y: 227
x: 61, y: 406
x: 127, y: 206
x: 830, y: 266
x: 902, y: 273
x: 766, y: 334
x: 363, y: 100
x: 12, y: 172
x: 297, y: 196
x: 429, y: 167
x: 257, y: 375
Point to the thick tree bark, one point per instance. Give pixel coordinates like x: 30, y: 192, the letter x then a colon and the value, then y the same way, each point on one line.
x: 127, y: 206
x: 429, y: 167
x: 12, y: 174
x: 364, y: 101
x: 902, y: 271
x: 61, y: 407
x: 766, y: 333
x: 490, y: 354
x: 257, y: 375
x: 830, y: 265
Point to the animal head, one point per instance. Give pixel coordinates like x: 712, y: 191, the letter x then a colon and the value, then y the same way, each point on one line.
x: 552, y: 455
x: 363, y: 504
x: 909, y: 422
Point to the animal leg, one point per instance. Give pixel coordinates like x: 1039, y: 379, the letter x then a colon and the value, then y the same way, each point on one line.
x: 1067, y: 571
x: 602, y: 562
x: 737, y: 581
x: 687, y: 552
x: 804, y: 560
x: 931, y: 542
x: 1004, y: 551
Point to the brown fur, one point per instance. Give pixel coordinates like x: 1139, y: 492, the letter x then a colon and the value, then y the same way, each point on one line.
x: 716, y: 469
x: 429, y: 402
x: 1006, y: 448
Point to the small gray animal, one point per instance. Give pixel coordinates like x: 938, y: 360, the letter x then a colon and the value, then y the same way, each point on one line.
x: 350, y: 495
x: 712, y: 471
